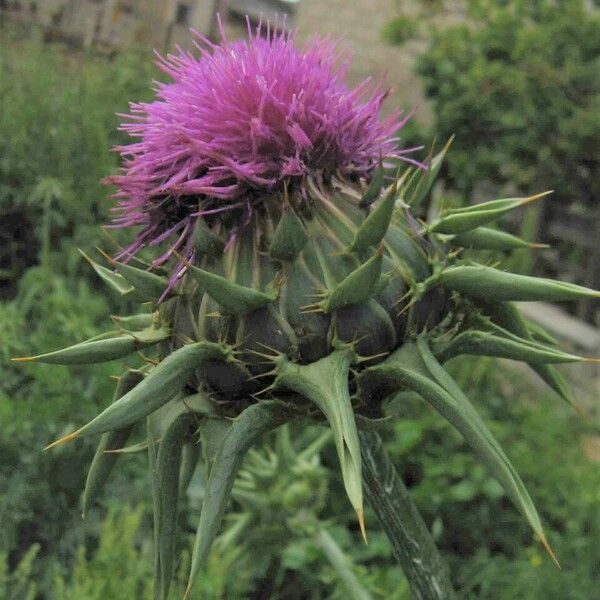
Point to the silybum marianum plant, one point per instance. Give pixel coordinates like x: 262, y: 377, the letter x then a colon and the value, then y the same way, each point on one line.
x: 290, y: 280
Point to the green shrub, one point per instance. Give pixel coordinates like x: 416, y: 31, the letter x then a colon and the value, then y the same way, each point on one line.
x: 489, y: 550
x: 519, y: 85
x: 18, y: 585
x: 39, y: 492
x: 57, y: 125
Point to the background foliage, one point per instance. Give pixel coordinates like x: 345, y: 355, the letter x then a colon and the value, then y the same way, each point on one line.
x: 56, y: 124
x: 518, y: 84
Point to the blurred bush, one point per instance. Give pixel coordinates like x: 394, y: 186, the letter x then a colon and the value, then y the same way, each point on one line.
x: 57, y: 126
x: 518, y: 83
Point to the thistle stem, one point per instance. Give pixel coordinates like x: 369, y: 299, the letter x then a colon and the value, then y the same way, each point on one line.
x: 399, y: 517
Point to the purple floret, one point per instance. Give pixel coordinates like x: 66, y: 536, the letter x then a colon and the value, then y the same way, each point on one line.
x: 239, y: 121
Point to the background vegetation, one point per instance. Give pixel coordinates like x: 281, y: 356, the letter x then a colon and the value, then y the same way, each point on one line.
x: 518, y: 84
x: 57, y: 123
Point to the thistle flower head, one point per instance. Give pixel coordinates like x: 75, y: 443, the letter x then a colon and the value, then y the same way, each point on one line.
x: 242, y: 120
x: 309, y: 291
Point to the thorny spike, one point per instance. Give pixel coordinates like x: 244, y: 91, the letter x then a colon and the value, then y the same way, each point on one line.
x: 106, y: 231
x: 268, y: 357
x: 362, y: 359
x: 63, y: 440
x: 213, y: 315
x: 106, y: 256
x: 262, y: 375
x: 461, y: 220
x: 310, y: 309
x: 548, y: 549
x: 360, y: 515
x: 402, y: 298
x: 276, y: 352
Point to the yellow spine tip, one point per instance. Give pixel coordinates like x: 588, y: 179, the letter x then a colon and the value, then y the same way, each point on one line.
x: 591, y: 359
x: 448, y: 143
x: 361, y: 521
x: 181, y: 258
x: 549, y: 550
x: 537, y: 246
x: 23, y: 359
x: 62, y: 440
x: 107, y: 256
x: 84, y: 255
x: 537, y: 196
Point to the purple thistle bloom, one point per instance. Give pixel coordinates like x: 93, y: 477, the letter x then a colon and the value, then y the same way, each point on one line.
x: 242, y: 120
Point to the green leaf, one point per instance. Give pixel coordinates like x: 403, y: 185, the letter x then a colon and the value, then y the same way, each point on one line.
x: 495, y: 285
x: 103, y: 348
x: 167, y: 425
x: 230, y: 296
x: 131, y: 449
x: 373, y: 229
x: 148, y: 286
x: 103, y: 461
x: 374, y: 188
x: 415, y: 368
x: 418, y: 188
x: 139, y: 321
x: 206, y: 241
x: 539, y: 334
x: 114, y: 280
x: 290, y: 236
x: 162, y: 384
x: 247, y: 428
x: 190, y: 455
x: 461, y: 220
x: 357, y: 287
x: 504, y: 345
x: 509, y: 317
x: 484, y: 238
x: 168, y: 463
x: 325, y: 382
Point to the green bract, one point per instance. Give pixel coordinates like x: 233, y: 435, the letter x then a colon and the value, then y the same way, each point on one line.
x: 318, y: 309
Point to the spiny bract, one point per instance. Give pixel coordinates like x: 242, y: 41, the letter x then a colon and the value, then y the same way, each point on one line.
x: 302, y: 287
